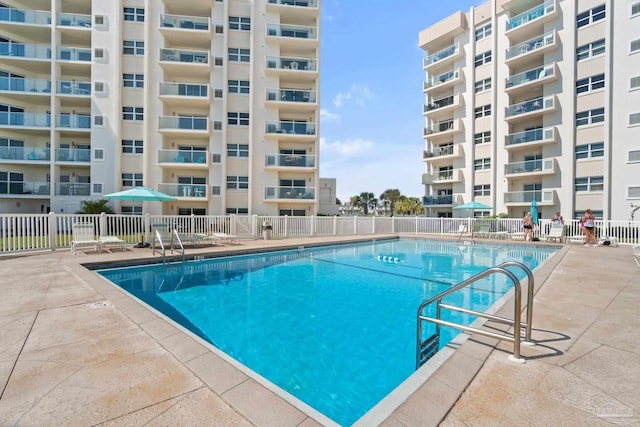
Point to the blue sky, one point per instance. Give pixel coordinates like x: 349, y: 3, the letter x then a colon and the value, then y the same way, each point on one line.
x: 371, y: 92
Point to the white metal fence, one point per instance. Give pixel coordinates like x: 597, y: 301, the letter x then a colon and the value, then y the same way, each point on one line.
x: 36, y: 232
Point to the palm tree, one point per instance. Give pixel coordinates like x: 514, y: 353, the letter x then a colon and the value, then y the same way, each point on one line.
x: 392, y: 196
x: 409, y: 206
x: 94, y: 207
x: 355, y: 203
x: 368, y: 200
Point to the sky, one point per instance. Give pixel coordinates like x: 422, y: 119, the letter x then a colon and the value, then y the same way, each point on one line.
x: 371, y: 92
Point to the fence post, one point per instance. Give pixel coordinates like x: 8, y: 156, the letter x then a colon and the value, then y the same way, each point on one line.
x: 102, y: 223
x: 146, y: 228
x: 313, y: 225
x: 286, y: 226
x: 355, y: 225
x: 192, y: 228
x: 232, y: 224
x: 335, y: 225
x: 373, y: 225
x: 53, y: 231
x: 254, y: 226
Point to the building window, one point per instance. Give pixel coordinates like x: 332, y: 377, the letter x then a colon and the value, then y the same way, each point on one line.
x: 217, y: 125
x: 98, y: 154
x: 133, y: 80
x: 483, y: 85
x: 134, y: 14
x: 131, y: 210
x: 98, y: 53
x: 98, y: 20
x: 482, y: 190
x: 590, y: 16
x: 483, y: 111
x: 634, y: 119
x: 482, y: 137
x: 482, y: 164
x: 133, y: 113
x: 635, y: 9
x: 237, y: 182
x: 596, y: 214
x: 237, y: 211
x: 98, y: 87
x: 590, y: 117
x: 589, y: 183
x: 131, y: 179
x: 238, y: 119
x: 132, y: 146
x: 590, y: 83
x: 587, y: 151
x: 483, y: 58
x: 634, y: 156
x: 219, y: 29
x: 633, y: 193
x: 590, y: 50
x: 98, y: 120
x: 239, y: 55
x: 634, y: 83
x: 635, y: 46
x: 239, y: 23
x: 237, y: 150
x: 239, y: 86
x: 217, y: 61
x: 133, y: 47
x: 483, y: 32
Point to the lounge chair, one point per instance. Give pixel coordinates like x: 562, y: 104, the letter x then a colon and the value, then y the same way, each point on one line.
x: 556, y: 233
x: 483, y: 231
x: 462, y: 231
x: 576, y: 238
x: 225, y: 238
x: 636, y: 254
x: 84, y: 236
x: 107, y: 241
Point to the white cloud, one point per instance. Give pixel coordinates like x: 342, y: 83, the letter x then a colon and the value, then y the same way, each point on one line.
x: 358, y: 94
x: 328, y: 116
x: 344, y: 149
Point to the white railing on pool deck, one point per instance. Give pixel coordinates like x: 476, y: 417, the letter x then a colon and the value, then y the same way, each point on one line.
x: 37, y: 232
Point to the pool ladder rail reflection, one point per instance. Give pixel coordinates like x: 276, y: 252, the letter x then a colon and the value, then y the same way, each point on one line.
x: 428, y: 347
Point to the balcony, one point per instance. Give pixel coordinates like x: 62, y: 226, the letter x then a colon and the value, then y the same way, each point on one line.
x: 26, y: 188
x: 26, y: 86
x: 532, y: 19
x: 186, y: 30
x: 530, y: 108
x: 531, y: 167
x: 289, y: 161
x: 20, y: 154
x: 530, y: 138
x: 184, y: 94
x: 293, y: 8
x: 437, y: 200
x: 443, y: 81
x: 291, y: 64
x: 183, y: 158
x: 73, y: 189
x: 25, y: 120
x: 73, y: 155
x: 442, y: 129
x: 25, y: 16
x: 440, y: 106
x: 442, y: 177
x: 446, y: 55
x: 74, y: 20
x: 524, y: 198
x: 445, y: 153
x: 73, y: 54
x: 531, y: 48
x: 183, y: 125
x: 300, y: 100
x: 531, y: 79
x: 289, y: 194
x: 73, y: 121
x: 292, y: 36
x: 185, y: 63
x: 33, y: 57
x: 193, y: 192
x: 290, y: 128
x: 73, y: 88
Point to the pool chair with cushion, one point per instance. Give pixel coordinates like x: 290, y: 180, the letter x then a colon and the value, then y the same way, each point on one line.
x: 84, y: 236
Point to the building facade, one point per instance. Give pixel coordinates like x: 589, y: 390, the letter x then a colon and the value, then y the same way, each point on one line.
x: 212, y: 101
x: 534, y: 100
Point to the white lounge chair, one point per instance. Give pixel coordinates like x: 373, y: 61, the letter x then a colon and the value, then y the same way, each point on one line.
x: 556, y: 233
x: 107, y: 241
x: 463, y: 230
x: 84, y: 236
x: 484, y: 231
x: 636, y: 254
x: 576, y: 238
x: 225, y: 238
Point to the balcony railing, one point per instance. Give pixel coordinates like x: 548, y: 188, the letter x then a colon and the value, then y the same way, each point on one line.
x: 440, y: 55
x: 290, y: 160
x: 72, y: 189
x: 74, y: 54
x: 542, y: 134
x: 527, y: 166
x: 283, y: 63
x: 301, y: 3
x: 540, y: 196
x: 530, y: 75
x: 532, y: 14
x: 24, y: 16
x: 291, y: 127
x: 74, y: 20
x: 531, y: 45
x: 184, y: 123
x: 13, y: 84
x: 74, y: 88
x: 79, y: 155
x: 182, y: 156
x: 296, y: 193
x: 183, y: 89
x: 441, y: 79
x: 291, y: 95
x: 25, y: 187
x: 437, y: 200
x: 184, y: 56
x: 447, y: 150
x: 184, y: 22
x: 25, y: 153
x: 529, y: 106
x: 73, y: 121
x: 438, y: 127
x: 25, y: 50
x: 292, y: 31
x: 25, y: 119
x: 440, y: 103
x: 184, y: 190
x: 451, y: 175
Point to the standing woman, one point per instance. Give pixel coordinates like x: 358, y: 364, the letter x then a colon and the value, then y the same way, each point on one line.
x: 588, y: 222
x: 527, y: 224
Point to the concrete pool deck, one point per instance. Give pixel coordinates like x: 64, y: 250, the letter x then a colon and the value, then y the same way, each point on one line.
x: 76, y: 350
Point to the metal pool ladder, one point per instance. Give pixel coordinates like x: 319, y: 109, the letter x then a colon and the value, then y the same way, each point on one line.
x: 174, y: 236
x: 429, y: 347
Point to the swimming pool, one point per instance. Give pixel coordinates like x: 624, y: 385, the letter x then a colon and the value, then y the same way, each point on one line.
x: 333, y: 326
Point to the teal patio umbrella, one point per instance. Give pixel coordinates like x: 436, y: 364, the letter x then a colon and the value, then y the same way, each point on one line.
x: 534, y: 212
x: 474, y: 206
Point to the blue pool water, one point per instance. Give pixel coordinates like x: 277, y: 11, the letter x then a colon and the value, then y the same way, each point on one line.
x: 333, y: 326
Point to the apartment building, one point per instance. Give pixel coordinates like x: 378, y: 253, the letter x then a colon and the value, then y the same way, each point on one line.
x: 214, y: 102
x: 533, y: 100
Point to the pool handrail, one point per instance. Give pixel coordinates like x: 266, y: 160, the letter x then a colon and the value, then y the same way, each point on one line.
x: 174, y: 234
x: 516, y: 338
